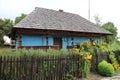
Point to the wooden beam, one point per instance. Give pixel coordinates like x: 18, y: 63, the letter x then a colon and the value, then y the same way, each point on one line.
x: 41, y: 47
x: 72, y: 41
x: 52, y: 32
x: 47, y: 40
x: 20, y: 40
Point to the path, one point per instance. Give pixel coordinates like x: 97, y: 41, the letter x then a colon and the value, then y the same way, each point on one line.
x: 115, y: 77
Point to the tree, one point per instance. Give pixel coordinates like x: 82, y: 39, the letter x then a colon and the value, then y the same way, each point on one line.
x: 19, y: 18
x: 110, y: 27
x: 5, y: 28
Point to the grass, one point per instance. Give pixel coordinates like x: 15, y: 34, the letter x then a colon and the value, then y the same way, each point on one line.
x: 7, y: 51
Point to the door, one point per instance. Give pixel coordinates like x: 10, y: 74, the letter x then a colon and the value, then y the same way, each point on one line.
x: 58, y: 41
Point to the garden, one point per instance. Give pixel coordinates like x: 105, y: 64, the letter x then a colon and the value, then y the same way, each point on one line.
x: 62, y: 64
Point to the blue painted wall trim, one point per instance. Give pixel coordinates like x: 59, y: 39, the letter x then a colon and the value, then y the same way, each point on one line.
x: 98, y: 39
x: 50, y: 40
x: 67, y: 41
x: 17, y: 42
x: 80, y: 39
x: 33, y: 40
x: 40, y: 40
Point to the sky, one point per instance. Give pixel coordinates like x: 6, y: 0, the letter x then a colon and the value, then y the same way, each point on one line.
x: 107, y: 10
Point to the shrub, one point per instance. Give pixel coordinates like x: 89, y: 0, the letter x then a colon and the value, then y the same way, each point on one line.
x: 105, y: 69
x: 114, y: 61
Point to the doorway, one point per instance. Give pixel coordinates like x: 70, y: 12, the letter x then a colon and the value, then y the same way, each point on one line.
x: 58, y: 41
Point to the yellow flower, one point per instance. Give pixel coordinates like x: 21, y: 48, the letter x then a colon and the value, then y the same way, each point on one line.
x: 119, y: 68
x: 89, y: 57
x: 113, y: 64
x: 115, y: 67
x: 81, y: 54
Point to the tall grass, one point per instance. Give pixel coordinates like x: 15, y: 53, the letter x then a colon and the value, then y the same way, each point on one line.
x: 30, y: 52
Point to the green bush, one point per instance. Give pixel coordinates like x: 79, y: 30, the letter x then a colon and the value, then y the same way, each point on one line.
x: 105, y: 69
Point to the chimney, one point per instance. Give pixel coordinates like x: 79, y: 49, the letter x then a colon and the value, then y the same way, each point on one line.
x: 60, y: 10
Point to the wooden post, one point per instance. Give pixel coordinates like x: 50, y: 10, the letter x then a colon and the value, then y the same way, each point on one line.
x: 46, y: 39
x: 72, y: 41
x: 20, y: 40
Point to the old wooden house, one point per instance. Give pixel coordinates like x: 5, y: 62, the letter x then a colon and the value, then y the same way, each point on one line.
x: 44, y: 28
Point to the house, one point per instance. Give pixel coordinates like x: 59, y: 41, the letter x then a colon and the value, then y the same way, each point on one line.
x: 44, y: 28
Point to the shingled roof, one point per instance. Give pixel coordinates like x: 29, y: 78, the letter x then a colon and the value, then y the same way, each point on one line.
x: 48, y: 19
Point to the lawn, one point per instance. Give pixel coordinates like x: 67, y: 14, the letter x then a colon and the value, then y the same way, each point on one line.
x: 5, y: 50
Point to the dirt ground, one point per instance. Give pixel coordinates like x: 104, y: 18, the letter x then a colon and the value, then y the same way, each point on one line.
x: 93, y: 76
x: 96, y: 76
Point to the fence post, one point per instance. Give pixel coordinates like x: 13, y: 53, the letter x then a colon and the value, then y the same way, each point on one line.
x: 96, y: 58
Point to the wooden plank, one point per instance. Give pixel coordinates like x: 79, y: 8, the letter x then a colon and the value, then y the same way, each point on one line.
x: 20, y: 40
x: 46, y: 39
x: 52, y: 32
x: 40, y: 47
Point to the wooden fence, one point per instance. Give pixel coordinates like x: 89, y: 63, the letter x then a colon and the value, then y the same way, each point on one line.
x: 39, y: 68
x: 97, y: 58
x: 45, y: 68
x: 117, y: 55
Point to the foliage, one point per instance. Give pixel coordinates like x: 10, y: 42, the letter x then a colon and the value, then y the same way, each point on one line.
x: 115, y: 45
x: 84, y: 51
x: 114, y: 61
x: 110, y: 27
x: 112, y: 39
x: 19, y: 18
x: 85, y: 46
x: 5, y: 28
x: 70, y: 77
x: 105, y: 69
x: 104, y: 47
x: 89, y: 47
x: 30, y: 52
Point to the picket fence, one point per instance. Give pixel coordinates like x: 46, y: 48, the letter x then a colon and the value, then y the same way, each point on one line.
x: 39, y: 68
x: 45, y: 67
